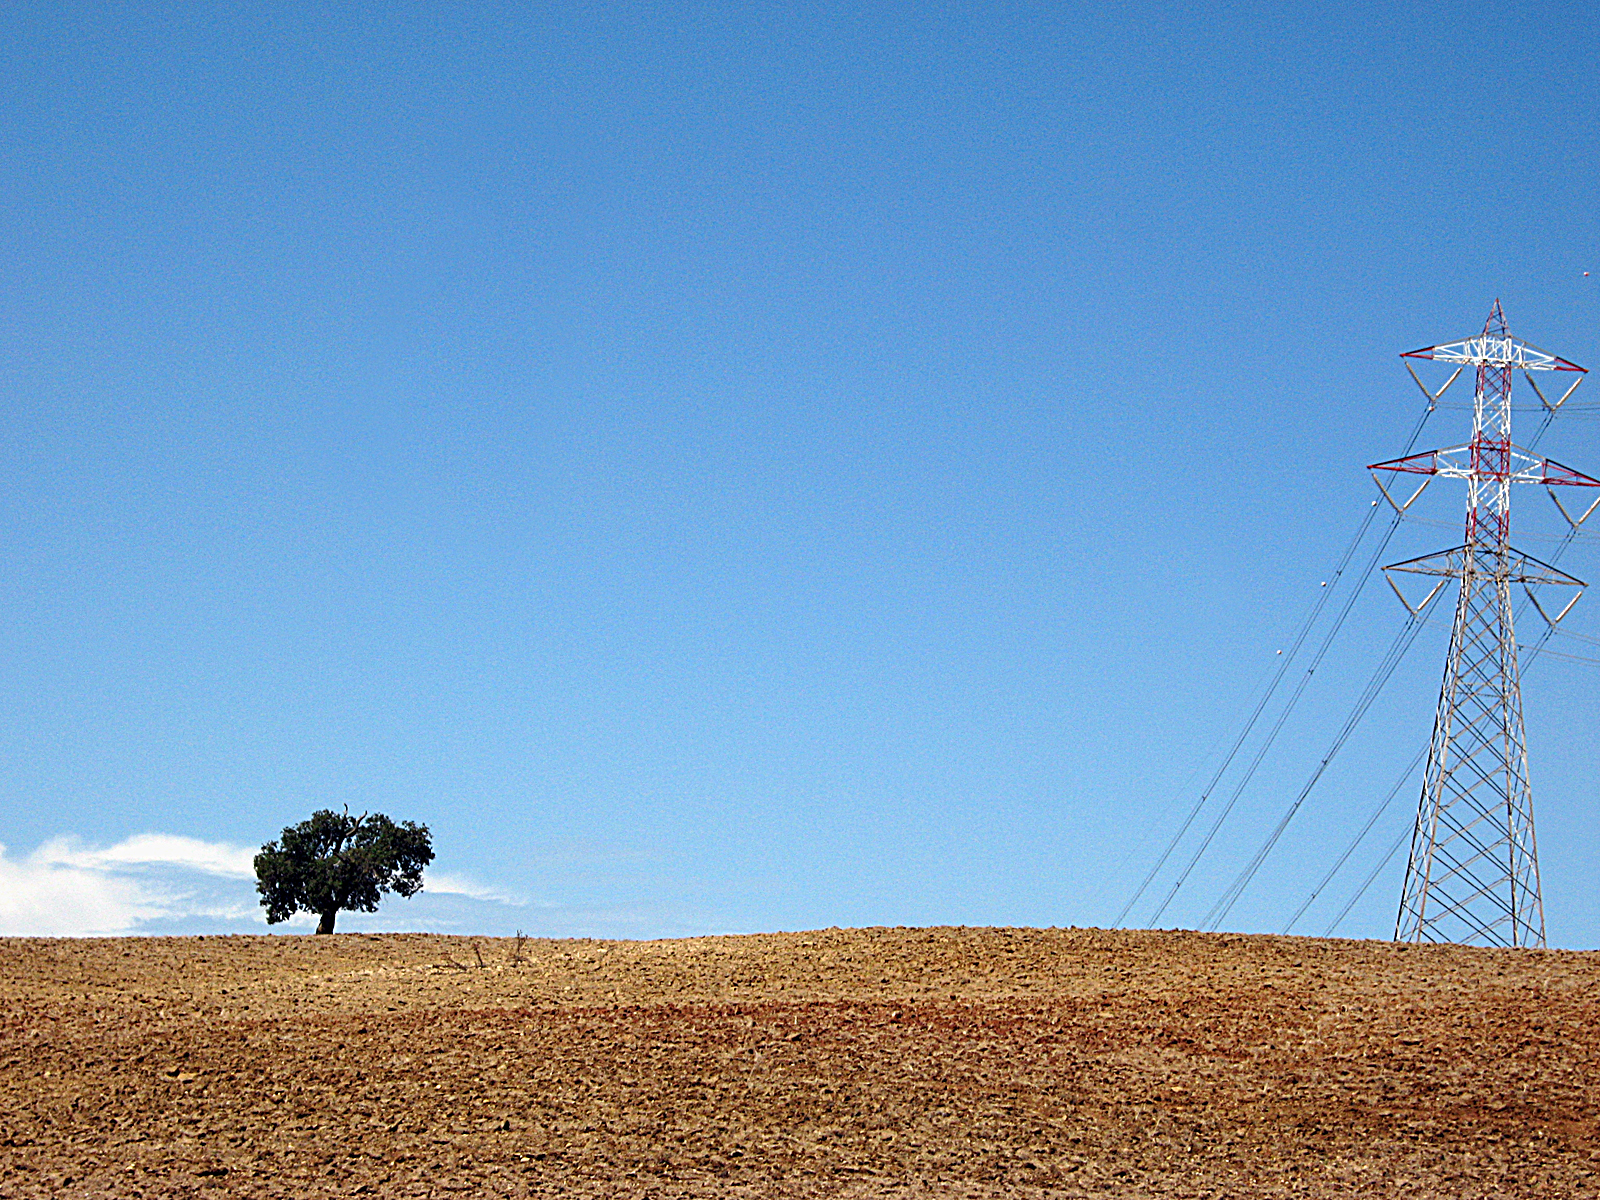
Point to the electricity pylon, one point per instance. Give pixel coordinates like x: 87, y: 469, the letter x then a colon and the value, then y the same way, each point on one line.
x: 1473, y: 875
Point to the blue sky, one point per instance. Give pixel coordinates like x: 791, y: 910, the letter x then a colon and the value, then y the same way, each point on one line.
x: 747, y: 467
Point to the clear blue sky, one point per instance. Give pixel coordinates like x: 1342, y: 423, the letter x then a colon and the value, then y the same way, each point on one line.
x: 746, y: 467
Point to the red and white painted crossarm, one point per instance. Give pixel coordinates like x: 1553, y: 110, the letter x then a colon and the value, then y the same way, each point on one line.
x: 1554, y: 472
x: 1426, y: 463
x: 1489, y: 350
x: 1485, y: 459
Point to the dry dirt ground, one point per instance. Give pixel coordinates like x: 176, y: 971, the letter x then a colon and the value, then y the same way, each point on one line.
x: 900, y: 1062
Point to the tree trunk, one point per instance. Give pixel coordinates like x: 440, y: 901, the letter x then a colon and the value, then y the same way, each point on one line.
x: 326, y: 925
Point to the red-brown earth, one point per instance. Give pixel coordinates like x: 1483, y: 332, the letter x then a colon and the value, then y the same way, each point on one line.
x: 951, y: 1062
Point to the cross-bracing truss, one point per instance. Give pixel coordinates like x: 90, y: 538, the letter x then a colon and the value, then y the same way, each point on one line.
x: 1473, y: 875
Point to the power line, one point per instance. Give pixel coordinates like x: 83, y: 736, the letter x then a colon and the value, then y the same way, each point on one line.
x: 1377, y: 812
x: 1182, y: 790
x: 1283, y: 716
x: 1362, y: 890
x: 1386, y: 667
x: 1577, y: 658
x: 1255, y: 715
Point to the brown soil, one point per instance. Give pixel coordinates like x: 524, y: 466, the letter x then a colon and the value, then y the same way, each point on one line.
x: 951, y: 1062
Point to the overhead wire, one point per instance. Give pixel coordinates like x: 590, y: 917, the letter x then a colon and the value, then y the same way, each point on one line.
x: 1255, y: 715
x: 1383, y: 807
x: 1565, y: 657
x: 1283, y: 716
x: 1386, y: 668
x: 1182, y: 790
x: 1367, y: 883
x: 1250, y: 723
x: 1582, y: 637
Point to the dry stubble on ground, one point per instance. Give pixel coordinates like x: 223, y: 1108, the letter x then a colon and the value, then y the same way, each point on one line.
x: 955, y: 1062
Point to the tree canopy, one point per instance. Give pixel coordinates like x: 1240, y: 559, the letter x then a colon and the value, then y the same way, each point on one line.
x: 336, y: 862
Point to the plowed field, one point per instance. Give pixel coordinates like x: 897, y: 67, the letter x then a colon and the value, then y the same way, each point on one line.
x: 951, y: 1062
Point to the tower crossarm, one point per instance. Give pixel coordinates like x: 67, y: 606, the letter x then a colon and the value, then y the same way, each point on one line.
x: 1519, y: 567
x: 1488, y: 458
x: 1493, y: 349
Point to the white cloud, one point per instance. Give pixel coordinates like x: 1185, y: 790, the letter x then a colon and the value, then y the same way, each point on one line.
x: 41, y: 898
x: 153, y: 849
x: 156, y: 880
x: 444, y: 883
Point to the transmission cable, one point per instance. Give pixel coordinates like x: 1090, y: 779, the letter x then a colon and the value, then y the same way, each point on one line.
x: 1272, y: 687
x: 1367, y: 883
x: 1250, y: 723
x: 1182, y: 790
x: 1283, y: 716
x: 1565, y: 657
x: 1372, y: 820
x: 1386, y: 668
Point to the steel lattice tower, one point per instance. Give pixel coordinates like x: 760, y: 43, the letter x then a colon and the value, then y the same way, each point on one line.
x: 1473, y: 875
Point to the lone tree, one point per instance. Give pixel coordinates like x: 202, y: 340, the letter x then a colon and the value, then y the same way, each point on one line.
x: 335, y: 861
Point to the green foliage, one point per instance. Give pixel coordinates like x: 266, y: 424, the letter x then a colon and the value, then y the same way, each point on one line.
x: 335, y: 861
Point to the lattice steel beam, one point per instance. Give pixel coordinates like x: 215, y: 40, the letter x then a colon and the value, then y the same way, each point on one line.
x: 1473, y: 875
